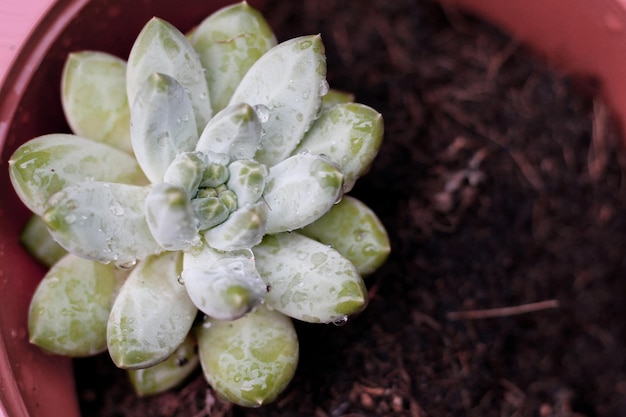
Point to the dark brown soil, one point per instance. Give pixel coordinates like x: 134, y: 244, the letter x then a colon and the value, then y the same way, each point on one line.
x: 501, y: 186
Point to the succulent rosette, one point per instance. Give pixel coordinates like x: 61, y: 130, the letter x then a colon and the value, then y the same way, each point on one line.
x: 199, y: 204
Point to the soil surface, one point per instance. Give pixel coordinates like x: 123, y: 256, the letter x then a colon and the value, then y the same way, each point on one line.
x: 502, y: 188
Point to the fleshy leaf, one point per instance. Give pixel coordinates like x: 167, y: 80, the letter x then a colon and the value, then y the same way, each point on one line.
x: 247, y: 180
x: 300, y: 190
x: 354, y: 230
x: 102, y: 221
x: 70, y: 307
x: 334, y: 97
x: 162, y: 48
x: 93, y: 95
x: 234, y: 131
x: 185, y: 171
x: 243, y: 229
x: 171, y: 217
x: 162, y: 124
x: 152, y: 313
x: 169, y: 373
x: 45, y: 165
x: 229, y: 42
x: 222, y: 285
x: 249, y: 361
x: 350, y: 135
x: 308, y: 280
x: 289, y: 81
x: 37, y: 240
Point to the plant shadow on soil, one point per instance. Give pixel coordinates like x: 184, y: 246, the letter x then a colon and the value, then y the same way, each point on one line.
x: 501, y: 184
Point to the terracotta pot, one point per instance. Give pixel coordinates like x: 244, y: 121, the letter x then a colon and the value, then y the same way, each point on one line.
x: 579, y: 36
x: 32, y: 383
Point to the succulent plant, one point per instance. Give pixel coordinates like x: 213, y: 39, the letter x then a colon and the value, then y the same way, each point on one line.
x: 199, y: 204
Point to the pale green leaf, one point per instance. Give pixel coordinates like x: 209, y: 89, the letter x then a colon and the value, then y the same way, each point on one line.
x: 152, y: 313
x: 249, y: 361
x: 229, y: 42
x: 334, y: 97
x: 163, y: 124
x: 354, y: 230
x: 93, y: 95
x: 70, y: 308
x: 169, y: 373
x: 308, y: 280
x: 350, y: 135
x: 299, y: 190
x: 47, y: 164
x: 36, y: 238
x: 161, y: 48
x: 102, y: 221
x: 289, y: 81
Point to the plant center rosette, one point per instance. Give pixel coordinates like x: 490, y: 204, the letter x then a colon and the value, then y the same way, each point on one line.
x: 198, y: 206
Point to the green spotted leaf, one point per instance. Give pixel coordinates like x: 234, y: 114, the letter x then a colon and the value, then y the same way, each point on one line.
x: 151, y: 315
x: 354, y: 230
x: 70, y: 308
x: 169, y: 373
x: 308, y: 280
x: 93, y: 95
x: 350, y: 135
x: 47, y: 164
x: 229, y: 42
x: 251, y: 360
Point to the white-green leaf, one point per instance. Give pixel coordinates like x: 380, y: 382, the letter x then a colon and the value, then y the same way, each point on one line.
x: 249, y: 361
x: 169, y: 373
x: 243, y: 229
x: 93, y: 95
x: 186, y: 171
x: 350, y: 135
x: 102, y: 221
x: 70, y: 308
x: 308, y: 280
x: 47, y: 164
x: 222, y: 285
x: 229, y: 42
x: 171, y: 217
x: 161, y: 48
x: 162, y: 124
x: 300, y: 190
x: 152, y: 313
x: 354, y: 230
x: 234, y: 131
x: 289, y: 81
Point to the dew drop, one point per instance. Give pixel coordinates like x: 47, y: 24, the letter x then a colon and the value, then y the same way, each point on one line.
x: 116, y: 208
x: 163, y: 138
x: 262, y: 112
x: 180, y: 280
x: 127, y: 265
x: 70, y: 218
x: 341, y: 322
x: 323, y: 89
